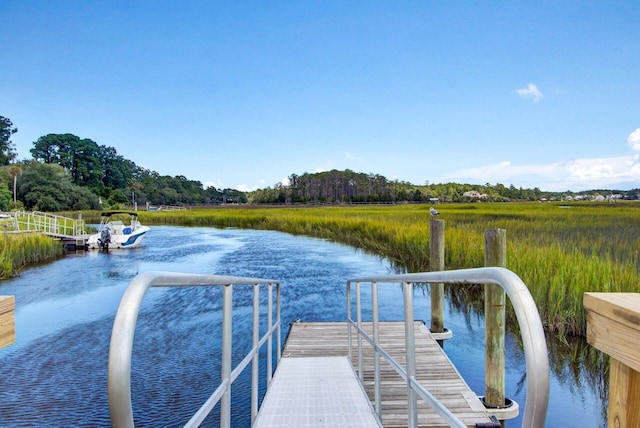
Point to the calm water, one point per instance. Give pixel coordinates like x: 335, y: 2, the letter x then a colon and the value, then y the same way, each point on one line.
x: 55, y: 374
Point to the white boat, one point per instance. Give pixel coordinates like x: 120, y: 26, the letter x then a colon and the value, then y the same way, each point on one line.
x: 113, y: 233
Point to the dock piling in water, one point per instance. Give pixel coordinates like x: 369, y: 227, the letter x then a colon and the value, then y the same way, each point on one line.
x: 436, y: 247
x: 494, y: 312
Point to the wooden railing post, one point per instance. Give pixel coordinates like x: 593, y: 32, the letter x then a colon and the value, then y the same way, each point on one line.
x: 613, y: 327
x: 436, y: 254
x: 495, y: 242
x: 7, y: 320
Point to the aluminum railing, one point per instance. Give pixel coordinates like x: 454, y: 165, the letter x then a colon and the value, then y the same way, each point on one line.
x: 53, y: 225
x: 533, y: 339
x: 119, y: 370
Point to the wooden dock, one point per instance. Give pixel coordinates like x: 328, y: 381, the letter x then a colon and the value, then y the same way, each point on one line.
x: 7, y: 320
x: 434, y: 370
x: 74, y: 243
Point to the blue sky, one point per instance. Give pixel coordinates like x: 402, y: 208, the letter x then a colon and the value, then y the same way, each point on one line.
x: 243, y: 94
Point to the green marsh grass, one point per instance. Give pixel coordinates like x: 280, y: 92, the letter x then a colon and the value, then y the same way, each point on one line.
x: 559, y: 252
x: 23, y: 249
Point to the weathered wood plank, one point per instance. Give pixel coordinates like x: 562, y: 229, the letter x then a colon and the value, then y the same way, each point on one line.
x: 7, y: 304
x: 624, y: 394
x: 7, y: 320
x: 622, y: 307
x: 434, y: 370
x: 613, y: 327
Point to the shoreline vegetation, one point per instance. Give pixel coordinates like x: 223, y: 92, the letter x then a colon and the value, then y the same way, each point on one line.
x: 560, y: 251
x: 21, y: 250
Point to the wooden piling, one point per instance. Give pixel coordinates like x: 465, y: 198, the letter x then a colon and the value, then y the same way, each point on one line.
x: 436, y: 248
x: 494, y: 311
x: 7, y: 320
x: 613, y: 327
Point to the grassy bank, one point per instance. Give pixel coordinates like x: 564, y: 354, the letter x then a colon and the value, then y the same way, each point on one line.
x: 20, y: 250
x: 559, y: 252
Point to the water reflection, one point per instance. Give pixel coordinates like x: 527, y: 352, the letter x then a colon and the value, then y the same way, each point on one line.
x: 55, y: 375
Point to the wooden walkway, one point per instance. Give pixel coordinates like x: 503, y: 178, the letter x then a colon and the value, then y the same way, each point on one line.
x: 434, y: 370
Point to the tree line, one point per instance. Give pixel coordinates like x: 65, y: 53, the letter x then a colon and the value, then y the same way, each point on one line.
x: 67, y: 172
x: 353, y: 187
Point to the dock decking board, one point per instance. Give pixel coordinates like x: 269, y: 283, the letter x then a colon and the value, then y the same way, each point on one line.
x: 434, y: 370
x: 7, y: 320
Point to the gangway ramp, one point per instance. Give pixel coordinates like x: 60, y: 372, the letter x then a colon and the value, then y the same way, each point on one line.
x: 434, y: 371
x: 316, y: 392
x: 69, y: 230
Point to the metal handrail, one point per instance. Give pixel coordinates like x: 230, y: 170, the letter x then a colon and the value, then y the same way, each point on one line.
x: 119, y: 369
x: 533, y: 338
x: 50, y: 224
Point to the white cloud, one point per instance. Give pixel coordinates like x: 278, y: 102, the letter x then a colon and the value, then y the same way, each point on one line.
x: 634, y: 139
x: 530, y: 92
x: 486, y: 173
x: 328, y: 166
x: 593, y: 169
x: 621, y: 172
x: 217, y: 184
x: 246, y: 188
x: 351, y: 156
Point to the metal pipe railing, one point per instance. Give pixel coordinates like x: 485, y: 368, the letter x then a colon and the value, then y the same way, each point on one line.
x: 410, y: 349
x: 255, y: 360
x: 377, y: 387
x: 119, y: 369
x: 48, y: 223
x: 533, y: 338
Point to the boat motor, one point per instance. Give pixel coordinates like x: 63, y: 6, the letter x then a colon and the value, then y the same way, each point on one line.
x: 105, y: 238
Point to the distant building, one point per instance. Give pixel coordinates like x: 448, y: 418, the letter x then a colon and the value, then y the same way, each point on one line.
x: 475, y: 195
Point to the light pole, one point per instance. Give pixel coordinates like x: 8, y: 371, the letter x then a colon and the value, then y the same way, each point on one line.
x: 14, y: 170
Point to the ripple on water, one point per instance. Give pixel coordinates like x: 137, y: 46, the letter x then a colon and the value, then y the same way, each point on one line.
x: 55, y: 375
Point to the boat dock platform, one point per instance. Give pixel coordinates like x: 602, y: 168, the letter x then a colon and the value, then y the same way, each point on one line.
x: 317, y: 346
x: 355, y: 373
